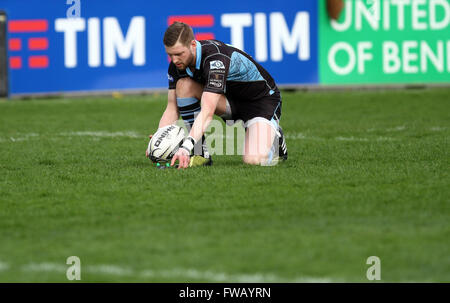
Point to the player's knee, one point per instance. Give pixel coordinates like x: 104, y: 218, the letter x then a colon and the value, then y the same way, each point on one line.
x: 255, y: 159
x: 186, y: 87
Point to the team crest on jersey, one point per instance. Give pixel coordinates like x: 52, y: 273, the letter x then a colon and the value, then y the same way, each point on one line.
x: 216, y: 64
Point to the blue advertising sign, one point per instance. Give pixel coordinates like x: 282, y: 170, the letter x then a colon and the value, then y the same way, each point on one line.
x: 85, y: 45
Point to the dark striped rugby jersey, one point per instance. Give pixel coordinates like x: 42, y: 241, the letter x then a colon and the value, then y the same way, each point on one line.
x: 224, y: 69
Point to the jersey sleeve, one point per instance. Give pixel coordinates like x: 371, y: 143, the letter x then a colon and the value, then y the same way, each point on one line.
x: 172, y: 76
x: 215, y: 72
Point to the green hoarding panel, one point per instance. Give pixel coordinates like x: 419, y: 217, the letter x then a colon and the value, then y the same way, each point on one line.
x: 386, y: 42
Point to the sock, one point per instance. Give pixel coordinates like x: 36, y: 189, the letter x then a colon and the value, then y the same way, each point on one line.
x: 188, y: 107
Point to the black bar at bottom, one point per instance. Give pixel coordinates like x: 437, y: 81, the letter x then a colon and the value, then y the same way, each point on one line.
x: 229, y: 292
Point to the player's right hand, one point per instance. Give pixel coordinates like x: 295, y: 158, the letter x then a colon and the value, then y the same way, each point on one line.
x: 182, y: 155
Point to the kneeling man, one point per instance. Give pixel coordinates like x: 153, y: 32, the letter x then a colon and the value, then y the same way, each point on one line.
x: 210, y: 77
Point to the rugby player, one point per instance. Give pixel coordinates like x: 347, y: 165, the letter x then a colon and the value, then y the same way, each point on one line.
x: 209, y: 77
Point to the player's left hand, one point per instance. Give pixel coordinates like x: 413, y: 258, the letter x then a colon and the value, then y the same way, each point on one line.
x: 182, y: 155
x: 146, y: 151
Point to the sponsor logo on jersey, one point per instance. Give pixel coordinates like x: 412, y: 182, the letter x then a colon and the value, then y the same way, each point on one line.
x: 216, y: 64
x: 216, y: 80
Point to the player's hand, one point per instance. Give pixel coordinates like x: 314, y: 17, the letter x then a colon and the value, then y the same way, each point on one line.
x: 182, y: 155
x: 146, y: 151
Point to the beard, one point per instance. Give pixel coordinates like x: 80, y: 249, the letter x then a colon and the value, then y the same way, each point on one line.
x: 189, y: 62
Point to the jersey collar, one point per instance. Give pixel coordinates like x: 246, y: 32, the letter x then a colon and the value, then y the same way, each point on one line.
x: 199, y: 55
x: 198, y: 60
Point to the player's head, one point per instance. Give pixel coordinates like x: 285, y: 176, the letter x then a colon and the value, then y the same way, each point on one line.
x: 180, y: 44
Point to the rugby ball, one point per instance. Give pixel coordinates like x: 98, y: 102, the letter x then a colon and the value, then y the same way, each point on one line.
x: 165, y: 143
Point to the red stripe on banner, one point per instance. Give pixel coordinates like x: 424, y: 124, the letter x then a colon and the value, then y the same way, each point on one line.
x: 204, y: 36
x: 15, y: 62
x: 38, y: 43
x: 26, y: 26
x: 194, y: 20
x: 14, y: 44
x: 38, y: 62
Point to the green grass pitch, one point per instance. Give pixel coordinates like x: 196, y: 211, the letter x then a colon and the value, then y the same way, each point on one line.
x: 367, y: 175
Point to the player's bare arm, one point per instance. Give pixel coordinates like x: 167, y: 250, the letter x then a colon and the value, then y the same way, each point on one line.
x: 171, y: 114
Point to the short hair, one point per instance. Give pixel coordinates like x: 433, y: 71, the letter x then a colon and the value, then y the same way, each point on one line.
x: 178, y: 31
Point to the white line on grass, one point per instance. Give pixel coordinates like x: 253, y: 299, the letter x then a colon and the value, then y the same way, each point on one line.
x: 224, y: 277
x: 391, y: 129
x: 22, y: 138
x: 437, y: 128
x: 300, y: 136
x: 351, y: 139
x: 44, y: 267
x: 364, y: 139
x: 289, y: 136
x: 3, y: 266
x: 396, y: 129
x: 134, y: 135
x: 402, y: 128
x: 94, y: 134
x: 129, y: 134
x: 112, y: 270
x: 119, y: 271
